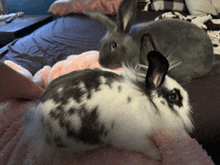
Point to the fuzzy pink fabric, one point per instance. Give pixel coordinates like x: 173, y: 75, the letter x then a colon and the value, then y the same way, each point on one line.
x: 177, y: 147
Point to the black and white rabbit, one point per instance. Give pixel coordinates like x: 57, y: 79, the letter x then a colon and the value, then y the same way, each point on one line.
x: 90, y: 108
x: 176, y: 39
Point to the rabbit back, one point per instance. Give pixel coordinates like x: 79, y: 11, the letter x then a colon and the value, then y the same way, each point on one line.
x: 87, y: 110
x: 181, y: 41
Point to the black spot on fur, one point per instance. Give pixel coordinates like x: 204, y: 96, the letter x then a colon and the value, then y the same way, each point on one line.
x: 112, y: 126
x: 63, y: 122
x: 109, y: 84
x: 76, y: 93
x: 91, y: 129
x: 72, y: 111
x: 68, y: 92
x: 129, y: 99
x: 89, y: 96
x: 70, y: 85
x: 119, y: 88
x: 163, y: 102
x: 57, y: 112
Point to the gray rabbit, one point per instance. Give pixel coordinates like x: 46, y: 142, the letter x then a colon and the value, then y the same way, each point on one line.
x: 180, y: 41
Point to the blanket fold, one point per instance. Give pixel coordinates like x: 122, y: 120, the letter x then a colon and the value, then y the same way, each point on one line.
x: 15, y: 85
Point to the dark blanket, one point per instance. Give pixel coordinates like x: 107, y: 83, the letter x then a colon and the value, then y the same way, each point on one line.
x: 54, y: 42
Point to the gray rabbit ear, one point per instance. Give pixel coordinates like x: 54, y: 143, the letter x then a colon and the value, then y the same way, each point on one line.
x: 147, y: 45
x: 126, y: 15
x: 102, y: 18
x: 148, y: 42
x: 157, y: 70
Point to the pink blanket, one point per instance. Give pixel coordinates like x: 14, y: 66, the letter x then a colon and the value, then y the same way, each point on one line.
x: 177, y: 147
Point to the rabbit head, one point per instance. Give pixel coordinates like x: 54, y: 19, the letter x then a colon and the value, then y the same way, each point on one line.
x: 117, y: 46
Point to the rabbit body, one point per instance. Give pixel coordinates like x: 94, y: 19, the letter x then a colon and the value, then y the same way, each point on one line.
x: 89, y: 108
x: 177, y: 40
x: 181, y: 41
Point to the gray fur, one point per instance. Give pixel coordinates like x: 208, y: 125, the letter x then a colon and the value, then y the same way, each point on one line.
x: 175, y: 39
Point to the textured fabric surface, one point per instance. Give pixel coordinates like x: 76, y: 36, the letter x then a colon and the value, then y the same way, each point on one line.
x: 54, y: 42
x: 64, y: 7
x: 203, y: 7
x: 164, y: 5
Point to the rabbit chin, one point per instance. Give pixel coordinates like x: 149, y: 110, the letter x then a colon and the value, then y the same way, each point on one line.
x: 109, y: 65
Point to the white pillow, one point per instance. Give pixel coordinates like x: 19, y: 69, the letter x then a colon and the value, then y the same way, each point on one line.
x: 203, y: 7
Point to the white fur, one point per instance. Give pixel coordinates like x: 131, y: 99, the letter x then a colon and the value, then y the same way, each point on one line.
x: 127, y: 114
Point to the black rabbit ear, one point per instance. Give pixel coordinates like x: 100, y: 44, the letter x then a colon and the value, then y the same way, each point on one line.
x: 147, y: 45
x: 126, y: 15
x: 102, y: 18
x: 157, y: 69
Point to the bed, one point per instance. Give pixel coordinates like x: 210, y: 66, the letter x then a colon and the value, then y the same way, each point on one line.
x: 75, y: 33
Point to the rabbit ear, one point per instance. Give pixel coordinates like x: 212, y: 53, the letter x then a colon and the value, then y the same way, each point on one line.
x: 102, y: 18
x: 126, y: 14
x: 147, y: 45
x: 157, y: 69
x: 148, y: 42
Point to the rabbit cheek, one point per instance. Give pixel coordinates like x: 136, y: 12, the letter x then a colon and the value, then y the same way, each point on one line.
x: 108, y: 60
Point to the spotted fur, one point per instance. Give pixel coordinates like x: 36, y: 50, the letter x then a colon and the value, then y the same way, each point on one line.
x: 90, y: 108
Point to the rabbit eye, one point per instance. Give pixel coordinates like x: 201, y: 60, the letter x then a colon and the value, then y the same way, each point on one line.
x: 173, y: 97
x: 114, y: 45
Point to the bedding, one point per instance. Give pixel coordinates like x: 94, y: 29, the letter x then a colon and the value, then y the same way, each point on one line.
x: 165, y: 5
x: 177, y: 147
x: 64, y: 7
x: 54, y: 42
x: 74, y: 34
x: 109, y: 7
x: 203, y: 7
